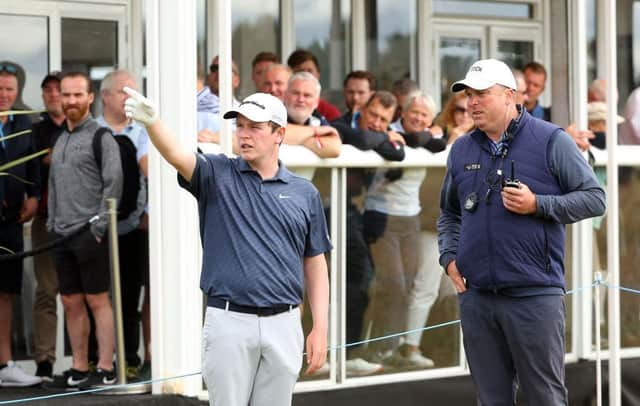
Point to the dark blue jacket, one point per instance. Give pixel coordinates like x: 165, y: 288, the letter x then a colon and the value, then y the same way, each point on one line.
x: 494, y: 248
x: 13, y: 190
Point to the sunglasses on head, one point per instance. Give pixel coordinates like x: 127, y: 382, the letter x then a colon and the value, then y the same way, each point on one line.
x: 8, y: 68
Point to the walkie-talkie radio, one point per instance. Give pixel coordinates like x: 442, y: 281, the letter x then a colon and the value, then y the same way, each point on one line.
x: 512, y: 181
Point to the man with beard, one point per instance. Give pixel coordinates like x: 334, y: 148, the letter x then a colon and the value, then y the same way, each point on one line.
x: 78, y: 191
x: 14, y: 211
x: 45, y: 318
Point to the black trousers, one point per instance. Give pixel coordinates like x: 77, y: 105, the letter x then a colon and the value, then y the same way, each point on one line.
x: 359, y: 275
x: 132, y: 247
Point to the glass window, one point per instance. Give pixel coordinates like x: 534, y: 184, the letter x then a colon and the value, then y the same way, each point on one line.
x: 394, y: 281
x: 482, y: 8
x: 629, y: 189
x: 256, y: 28
x: 592, y: 43
x: 201, y: 23
x: 515, y: 53
x: 321, y: 178
x: 391, y: 40
x: 325, y: 30
x: 456, y: 56
x: 28, y: 47
x: 90, y: 46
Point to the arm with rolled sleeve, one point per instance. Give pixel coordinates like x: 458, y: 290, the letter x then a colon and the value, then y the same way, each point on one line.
x: 583, y: 196
x: 449, y: 220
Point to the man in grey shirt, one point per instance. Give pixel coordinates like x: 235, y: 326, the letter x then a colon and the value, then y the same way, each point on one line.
x: 78, y: 191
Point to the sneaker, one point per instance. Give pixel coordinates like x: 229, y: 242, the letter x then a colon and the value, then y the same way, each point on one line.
x: 69, y: 380
x: 360, y: 367
x: 417, y: 360
x: 414, y: 360
x: 45, y: 371
x: 383, y: 357
x: 132, y: 372
x: 145, y: 371
x: 13, y: 375
x: 99, y: 379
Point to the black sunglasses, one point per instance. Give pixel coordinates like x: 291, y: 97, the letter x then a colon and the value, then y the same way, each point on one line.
x: 8, y: 68
x: 214, y: 67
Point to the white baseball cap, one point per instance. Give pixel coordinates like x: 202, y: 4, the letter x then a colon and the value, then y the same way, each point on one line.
x: 597, y: 111
x: 261, y: 108
x: 485, y: 73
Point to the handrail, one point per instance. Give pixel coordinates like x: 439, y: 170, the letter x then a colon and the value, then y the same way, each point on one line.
x: 297, y: 156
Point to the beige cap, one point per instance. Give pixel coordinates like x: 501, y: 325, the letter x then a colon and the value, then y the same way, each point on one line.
x: 597, y: 111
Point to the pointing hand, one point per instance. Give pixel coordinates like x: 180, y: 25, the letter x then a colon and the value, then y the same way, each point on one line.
x: 139, y: 107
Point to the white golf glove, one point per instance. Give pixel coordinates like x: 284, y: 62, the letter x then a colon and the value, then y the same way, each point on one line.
x: 139, y: 107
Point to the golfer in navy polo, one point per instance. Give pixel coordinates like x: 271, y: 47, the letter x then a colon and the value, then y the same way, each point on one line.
x: 263, y: 232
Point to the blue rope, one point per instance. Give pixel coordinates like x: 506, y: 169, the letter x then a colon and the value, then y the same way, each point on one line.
x: 426, y: 328
x: 106, y: 388
x: 623, y: 289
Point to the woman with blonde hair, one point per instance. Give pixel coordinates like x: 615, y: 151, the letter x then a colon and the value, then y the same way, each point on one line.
x: 454, y: 118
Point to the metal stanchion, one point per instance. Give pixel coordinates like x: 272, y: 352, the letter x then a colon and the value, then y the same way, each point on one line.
x: 599, y: 287
x: 114, y: 257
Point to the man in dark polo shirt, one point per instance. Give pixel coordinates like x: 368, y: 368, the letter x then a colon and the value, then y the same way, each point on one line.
x: 263, y: 232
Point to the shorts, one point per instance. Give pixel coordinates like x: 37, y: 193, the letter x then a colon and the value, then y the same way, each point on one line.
x: 82, y: 265
x: 11, y: 273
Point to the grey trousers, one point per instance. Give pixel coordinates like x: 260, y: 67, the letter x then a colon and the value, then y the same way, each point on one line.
x: 251, y: 360
x: 515, y: 340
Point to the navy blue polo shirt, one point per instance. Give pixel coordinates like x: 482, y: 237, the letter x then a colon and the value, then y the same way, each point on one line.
x: 254, y: 232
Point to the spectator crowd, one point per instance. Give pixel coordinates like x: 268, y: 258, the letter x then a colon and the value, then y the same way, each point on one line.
x: 392, y: 271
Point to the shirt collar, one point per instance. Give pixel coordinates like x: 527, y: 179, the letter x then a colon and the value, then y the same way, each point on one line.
x: 128, y: 129
x: 355, y: 119
x: 283, y: 174
x: 79, y: 126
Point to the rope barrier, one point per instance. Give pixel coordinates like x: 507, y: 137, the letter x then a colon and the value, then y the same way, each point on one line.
x: 49, y: 245
x: 175, y: 377
x: 96, y: 390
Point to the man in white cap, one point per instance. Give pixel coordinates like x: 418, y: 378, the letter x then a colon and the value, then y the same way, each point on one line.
x: 511, y: 186
x: 263, y: 231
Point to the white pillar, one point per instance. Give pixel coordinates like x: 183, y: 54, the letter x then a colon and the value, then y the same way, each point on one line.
x: 583, y: 231
x: 287, y: 29
x: 613, y: 237
x: 359, y: 33
x: 176, y: 301
x: 225, y: 88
